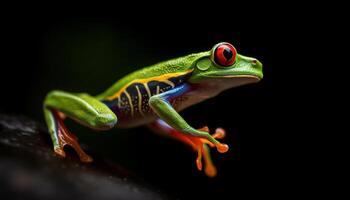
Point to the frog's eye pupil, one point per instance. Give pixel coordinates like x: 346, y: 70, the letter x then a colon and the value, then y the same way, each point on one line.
x: 225, y: 54
x: 228, y: 53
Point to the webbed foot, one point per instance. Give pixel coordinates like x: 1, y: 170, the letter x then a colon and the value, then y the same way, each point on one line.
x: 201, y: 146
x: 65, y: 137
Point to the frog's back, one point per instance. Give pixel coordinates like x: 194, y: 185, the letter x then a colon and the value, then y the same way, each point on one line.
x: 128, y: 97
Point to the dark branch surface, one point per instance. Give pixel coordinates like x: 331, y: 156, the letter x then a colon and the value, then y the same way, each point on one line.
x: 31, y: 170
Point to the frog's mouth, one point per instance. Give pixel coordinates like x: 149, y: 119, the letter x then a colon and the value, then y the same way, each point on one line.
x: 250, y: 77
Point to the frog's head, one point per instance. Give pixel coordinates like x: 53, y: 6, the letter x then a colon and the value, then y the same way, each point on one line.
x: 224, y: 68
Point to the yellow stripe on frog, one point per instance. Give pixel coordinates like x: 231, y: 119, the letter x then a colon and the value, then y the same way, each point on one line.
x: 162, y: 78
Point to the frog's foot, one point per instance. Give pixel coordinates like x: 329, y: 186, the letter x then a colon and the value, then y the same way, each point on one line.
x: 65, y: 137
x: 201, y: 146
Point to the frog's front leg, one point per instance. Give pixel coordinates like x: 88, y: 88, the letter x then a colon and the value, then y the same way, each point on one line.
x: 162, y: 107
x: 82, y: 108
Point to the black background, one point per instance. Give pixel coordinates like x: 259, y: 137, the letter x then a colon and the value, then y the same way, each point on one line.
x: 268, y: 123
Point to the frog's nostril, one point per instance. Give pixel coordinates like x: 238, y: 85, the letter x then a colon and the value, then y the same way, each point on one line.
x: 254, y: 61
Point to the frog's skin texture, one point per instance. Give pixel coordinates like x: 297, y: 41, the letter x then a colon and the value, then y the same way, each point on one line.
x: 153, y: 96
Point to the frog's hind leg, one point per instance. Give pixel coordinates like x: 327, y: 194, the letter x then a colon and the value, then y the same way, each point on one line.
x: 82, y: 108
x: 61, y: 136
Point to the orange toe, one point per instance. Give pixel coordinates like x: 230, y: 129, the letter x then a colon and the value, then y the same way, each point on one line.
x: 60, y: 152
x: 220, y: 133
x: 210, y: 170
x: 205, y: 129
x: 199, y: 160
x: 222, y: 148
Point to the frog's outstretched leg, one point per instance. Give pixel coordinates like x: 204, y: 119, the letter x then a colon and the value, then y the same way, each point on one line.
x: 199, y: 145
x: 162, y: 107
x: 82, y: 108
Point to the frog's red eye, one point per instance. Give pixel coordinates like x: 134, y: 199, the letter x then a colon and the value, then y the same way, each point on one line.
x: 225, y: 54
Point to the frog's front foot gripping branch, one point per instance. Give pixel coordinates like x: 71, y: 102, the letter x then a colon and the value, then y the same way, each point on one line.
x: 199, y: 144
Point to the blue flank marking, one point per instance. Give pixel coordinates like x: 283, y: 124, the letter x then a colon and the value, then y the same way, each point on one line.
x: 175, y: 92
x: 109, y: 104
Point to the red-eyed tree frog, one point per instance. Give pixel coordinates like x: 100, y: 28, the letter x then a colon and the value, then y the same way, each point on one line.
x: 154, y: 96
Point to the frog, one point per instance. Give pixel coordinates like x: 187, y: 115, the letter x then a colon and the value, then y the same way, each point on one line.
x: 153, y: 96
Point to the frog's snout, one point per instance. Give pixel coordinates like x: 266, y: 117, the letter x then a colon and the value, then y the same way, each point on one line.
x: 256, y: 63
x: 252, y: 61
x: 256, y: 66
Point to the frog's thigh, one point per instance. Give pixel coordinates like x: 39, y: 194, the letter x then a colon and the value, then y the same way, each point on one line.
x: 83, y: 108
